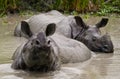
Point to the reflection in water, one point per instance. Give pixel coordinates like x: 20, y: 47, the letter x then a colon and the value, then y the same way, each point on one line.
x: 100, y: 66
x: 65, y: 73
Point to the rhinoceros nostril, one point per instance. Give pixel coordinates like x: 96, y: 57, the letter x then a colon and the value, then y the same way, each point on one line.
x: 105, y: 46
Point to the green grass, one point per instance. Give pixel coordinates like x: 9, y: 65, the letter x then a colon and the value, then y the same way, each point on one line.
x: 67, y: 6
x: 7, y: 5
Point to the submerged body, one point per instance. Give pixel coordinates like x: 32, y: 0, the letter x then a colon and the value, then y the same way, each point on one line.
x: 70, y: 51
x: 46, y: 52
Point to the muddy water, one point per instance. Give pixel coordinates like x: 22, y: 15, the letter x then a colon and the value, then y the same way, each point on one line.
x: 100, y: 66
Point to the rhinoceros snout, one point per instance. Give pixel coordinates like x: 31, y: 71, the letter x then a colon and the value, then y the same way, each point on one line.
x: 107, y: 44
x: 107, y: 49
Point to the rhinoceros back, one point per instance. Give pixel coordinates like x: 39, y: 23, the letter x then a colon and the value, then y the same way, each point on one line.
x: 39, y: 22
x: 71, y: 50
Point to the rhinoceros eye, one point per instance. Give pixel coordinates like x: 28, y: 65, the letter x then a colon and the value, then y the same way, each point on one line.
x: 31, y: 43
x: 24, y: 50
x: 37, y: 42
x: 48, y: 41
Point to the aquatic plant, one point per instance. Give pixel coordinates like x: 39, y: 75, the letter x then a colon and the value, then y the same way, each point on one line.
x: 110, y: 6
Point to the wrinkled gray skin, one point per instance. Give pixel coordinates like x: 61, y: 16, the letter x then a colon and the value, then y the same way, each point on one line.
x: 72, y: 27
x: 47, y: 51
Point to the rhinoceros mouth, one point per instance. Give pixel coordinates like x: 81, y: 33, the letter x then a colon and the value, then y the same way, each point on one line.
x: 106, y: 50
x: 103, y: 49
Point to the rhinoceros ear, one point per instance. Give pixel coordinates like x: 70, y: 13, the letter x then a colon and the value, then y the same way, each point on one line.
x: 102, y: 23
x: 50, y: 29
x: 80, y: 22
x: 26, y: 29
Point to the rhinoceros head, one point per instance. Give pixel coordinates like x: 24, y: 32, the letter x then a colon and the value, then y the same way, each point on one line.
x: 91, y: 36
x: 37, y: 52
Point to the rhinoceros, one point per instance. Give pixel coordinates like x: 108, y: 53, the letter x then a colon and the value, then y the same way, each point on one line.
x: 46, y: 51
x: 70, y: 26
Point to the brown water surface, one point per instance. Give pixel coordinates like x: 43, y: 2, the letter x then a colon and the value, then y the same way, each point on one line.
x: 100, y: 66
